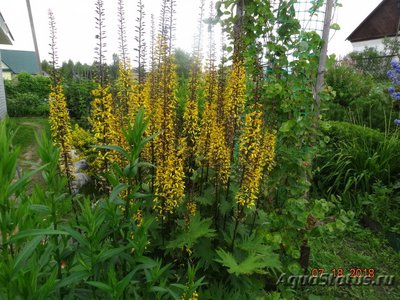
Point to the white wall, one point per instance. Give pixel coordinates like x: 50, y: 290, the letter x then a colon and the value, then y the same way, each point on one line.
x: 377, y: 43
x: 3, y: 105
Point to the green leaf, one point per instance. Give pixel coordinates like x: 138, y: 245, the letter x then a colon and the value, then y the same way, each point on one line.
x: 115, y: 148
x: 197, y: 229
x: 335, y: 26
x: 287, y: 126
x: 101, y: 285
x: 36, y: 232
x: 20, y: 184
x: 74, y: 278
x: 118, y: 189
x: 43, y: 209
x: 25, y: 253
x: 121, y: 286
x: 254, y: 263
x: 77, y: 236
x: 104, y: 255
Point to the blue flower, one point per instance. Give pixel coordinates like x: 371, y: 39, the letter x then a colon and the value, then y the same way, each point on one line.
x: 394, y: 63
x: 397, y: 122
x: 391, y: 90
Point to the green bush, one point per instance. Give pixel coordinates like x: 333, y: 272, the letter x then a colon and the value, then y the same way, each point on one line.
x: 355, y: 161
x: 27, y: 95
x: 27, y: 104
x: 79, y: 95
x: 358, y: 99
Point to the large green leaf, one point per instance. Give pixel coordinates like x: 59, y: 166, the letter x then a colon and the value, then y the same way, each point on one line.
x: 253, y: 263
x: 198, y: 228
x: 36, y: 232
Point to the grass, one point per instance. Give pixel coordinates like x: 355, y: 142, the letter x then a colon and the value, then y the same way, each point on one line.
x: 357, y: 248
x: 25, y: 139
x: 27, y: 126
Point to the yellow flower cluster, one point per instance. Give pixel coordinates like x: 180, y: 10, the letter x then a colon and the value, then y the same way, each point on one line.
x: 194, y: 296
x: 82, y: 141
x: 191, y: 128
x: 138, y: 217
x: 219, y: 154
x: 212, y: 145
x: 169, y: 180
x: 191, y: 208
x: 234, y: 99
x: 256, y: 151
x: 269, y: 150
x: 211, y: 85
x: 103, y: 125
x: 60, y: 126
x: 203, y: 144
x: 146, y: 100
x: 125, y: 108
x: 169, y: 185
x: 127, y: 103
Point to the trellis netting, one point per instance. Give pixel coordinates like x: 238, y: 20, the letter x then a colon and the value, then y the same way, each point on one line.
x: 311, y: 14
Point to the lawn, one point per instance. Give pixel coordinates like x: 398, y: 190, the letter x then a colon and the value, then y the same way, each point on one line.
x: 26, y: 127
x: 356, y: 248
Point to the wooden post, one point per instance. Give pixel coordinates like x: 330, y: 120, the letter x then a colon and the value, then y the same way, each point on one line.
x: 28, y: 5
x: 322, y: 57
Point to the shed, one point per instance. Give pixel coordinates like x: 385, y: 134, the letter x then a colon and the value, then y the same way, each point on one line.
x: 17, y: 61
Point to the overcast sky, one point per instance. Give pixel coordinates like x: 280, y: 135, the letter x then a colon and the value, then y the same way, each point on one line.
x: 76, y: 33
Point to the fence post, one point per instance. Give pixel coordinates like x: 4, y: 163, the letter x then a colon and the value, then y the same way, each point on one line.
x: 323, y: 56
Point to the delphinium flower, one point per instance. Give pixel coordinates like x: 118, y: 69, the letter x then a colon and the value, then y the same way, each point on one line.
x: 394, y: 76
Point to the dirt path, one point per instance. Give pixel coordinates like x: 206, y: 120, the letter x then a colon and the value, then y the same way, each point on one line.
x: 29, y: 159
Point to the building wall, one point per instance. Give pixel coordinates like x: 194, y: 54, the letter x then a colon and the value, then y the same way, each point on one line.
x: 3, y: 104
x: 376, y: 43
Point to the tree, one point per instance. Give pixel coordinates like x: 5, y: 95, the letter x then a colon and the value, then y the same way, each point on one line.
x: 183, y: 62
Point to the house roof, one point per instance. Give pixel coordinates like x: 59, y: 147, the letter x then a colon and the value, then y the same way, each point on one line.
x: 381, y: 22
x: 19, y: 61
x: 6, y: 37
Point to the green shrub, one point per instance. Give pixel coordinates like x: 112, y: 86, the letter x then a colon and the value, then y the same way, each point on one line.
x: 78, y: 95
x: 27, y: 95
x: 27, y: 104
x: 356, y: 159
x: 358, y: 99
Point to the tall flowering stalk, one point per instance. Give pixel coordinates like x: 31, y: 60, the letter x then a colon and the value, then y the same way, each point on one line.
x: 191, y: 122
x: 169, y: 178
x: 235, y: 96
x: 256, y: 152
x: 102, y: 118
x: 126, y: 104
x: 141, y: 51
x: 59, y: 119
x: 169, y: 184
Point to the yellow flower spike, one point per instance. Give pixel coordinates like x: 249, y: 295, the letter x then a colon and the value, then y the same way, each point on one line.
x: 169, y: 178
x: 60, y: 126
x: 256, y: 151
x: 104, y: 125
x: 234, y: 100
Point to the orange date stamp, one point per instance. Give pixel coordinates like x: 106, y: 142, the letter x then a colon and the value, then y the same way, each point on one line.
x: 342, y: 272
